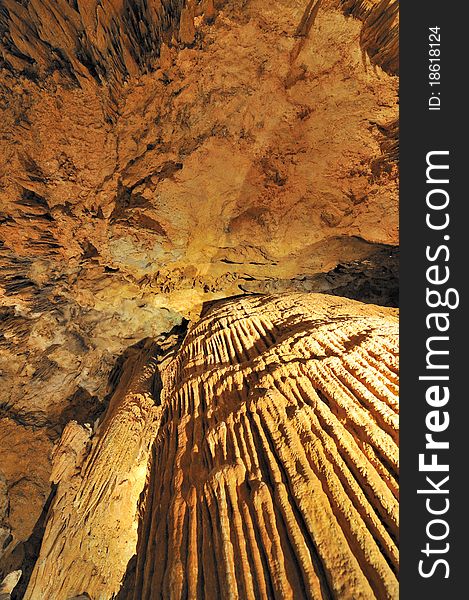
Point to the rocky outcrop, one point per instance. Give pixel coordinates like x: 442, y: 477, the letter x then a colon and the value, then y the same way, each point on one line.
x: 273, y: 469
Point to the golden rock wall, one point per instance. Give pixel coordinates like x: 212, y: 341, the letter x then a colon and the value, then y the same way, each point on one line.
x: 273, y: 468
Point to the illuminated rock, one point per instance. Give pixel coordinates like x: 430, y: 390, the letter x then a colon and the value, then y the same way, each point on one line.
x: 273, y: 469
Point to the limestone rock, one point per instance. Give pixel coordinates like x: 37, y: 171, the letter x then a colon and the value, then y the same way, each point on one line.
x: 130, y: 195
x: 24, y: 488
x: 283, y: 479
x: 69, y: 454
x: 156, y: 156
x: 10, y: 581
x: 95, y: 507
x: 273, y: 468
x: 8, y: 584
x: 186, y: 27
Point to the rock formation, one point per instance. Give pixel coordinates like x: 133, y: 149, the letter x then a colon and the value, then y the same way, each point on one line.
x: 156, y: 155
x: 92, y: 529
x: 273, y: 466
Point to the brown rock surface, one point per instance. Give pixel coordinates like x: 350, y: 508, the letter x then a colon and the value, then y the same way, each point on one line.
x: 24, y: 487
x: 273, y: 469
x: 207, y: 179
x: 158, y: 155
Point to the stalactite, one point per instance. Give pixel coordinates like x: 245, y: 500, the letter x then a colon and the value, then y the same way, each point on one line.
x: 380, y: 33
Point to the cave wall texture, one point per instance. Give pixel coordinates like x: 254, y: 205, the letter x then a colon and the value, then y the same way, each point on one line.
x: 273, y: 463
x: 158, y: 157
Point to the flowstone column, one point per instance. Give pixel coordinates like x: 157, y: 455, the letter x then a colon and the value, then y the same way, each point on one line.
x: 91, y: 532
x: 274, y: 463
x: 274, y: 470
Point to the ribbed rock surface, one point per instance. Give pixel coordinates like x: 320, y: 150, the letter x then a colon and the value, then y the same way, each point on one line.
x: 273, y: 471
x: 91, y: 532
x: 159, y: 154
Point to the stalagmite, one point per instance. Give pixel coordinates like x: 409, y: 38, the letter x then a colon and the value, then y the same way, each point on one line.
x: 273, y: 470
x: 91, y: 532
